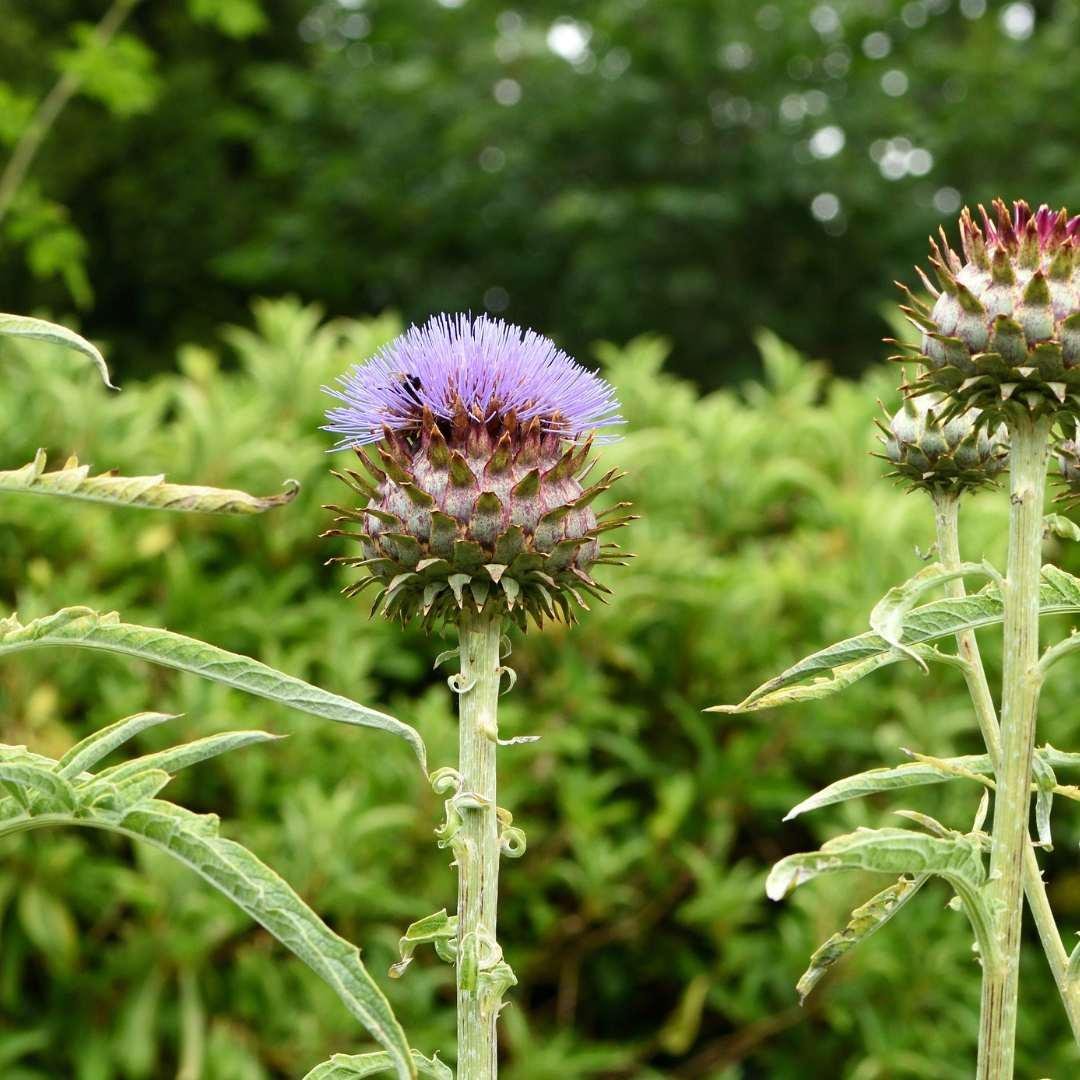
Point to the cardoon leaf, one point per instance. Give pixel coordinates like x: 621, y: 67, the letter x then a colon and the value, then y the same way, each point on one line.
x: 32, y: 777
x: 193, y: 839
x: 1064, y: 527
x: 73, y: 481
x: 352, y: 1066
x: 1059, y: 593
x: 865, y: 921
x: 24, y: 326
x: 888, y: 851
x: 1045, y: 782
x: 84, y: 755
x: 910, y: 774
x: 84, y: 628
x: 888, y: 614
x: 180, y: 757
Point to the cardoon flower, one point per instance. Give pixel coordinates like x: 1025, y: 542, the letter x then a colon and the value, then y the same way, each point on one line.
x: 942, y: 455
x: 1005, y: 324
x: 480, y: 436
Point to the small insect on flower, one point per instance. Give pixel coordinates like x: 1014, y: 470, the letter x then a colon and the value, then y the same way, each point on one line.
x: 1005, y: 323
x: 481, y: 436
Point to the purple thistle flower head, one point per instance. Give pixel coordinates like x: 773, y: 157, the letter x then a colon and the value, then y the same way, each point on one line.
x: 483, y: 368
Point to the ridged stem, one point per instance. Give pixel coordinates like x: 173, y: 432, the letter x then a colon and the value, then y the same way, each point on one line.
x: 478, y: 852
x: 946, y: 514
x: 1028, y: 452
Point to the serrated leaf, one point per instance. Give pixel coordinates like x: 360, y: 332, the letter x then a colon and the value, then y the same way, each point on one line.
x: 84, y: 628
x: 39, y: 329
x: 193, y: 839
x: 887, y: 851
x: 87, y: 753
x: 73, y: 481
x: 1059, y: 593
x: 873, y: 781
x: 865, y: 921
x: 888, y: 614
x: 353, y: 1066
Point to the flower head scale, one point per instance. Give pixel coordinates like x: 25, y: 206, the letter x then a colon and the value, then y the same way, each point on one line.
x: 1003, y: 331
x: 483, y: 367
x: 474, y: 493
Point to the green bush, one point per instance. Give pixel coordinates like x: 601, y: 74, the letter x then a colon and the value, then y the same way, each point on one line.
x: 637, y: 922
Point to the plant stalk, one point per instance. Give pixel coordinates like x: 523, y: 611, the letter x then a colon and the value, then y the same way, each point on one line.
x: 1028, y: 452
x: 946, y: 515
x: 477, y: 856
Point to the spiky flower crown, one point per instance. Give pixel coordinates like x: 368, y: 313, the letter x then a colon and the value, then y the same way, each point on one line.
x: 941, y: 455
x: 1005, y: 323
x: 474, y: 490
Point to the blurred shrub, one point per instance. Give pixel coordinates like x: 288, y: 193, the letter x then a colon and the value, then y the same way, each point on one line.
x: 637, y: 922
x: 696, y: 168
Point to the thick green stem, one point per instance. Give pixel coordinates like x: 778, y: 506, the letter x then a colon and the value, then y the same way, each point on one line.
x: 946, y: 512
x: 1028, y: 451
x: 478, y: 992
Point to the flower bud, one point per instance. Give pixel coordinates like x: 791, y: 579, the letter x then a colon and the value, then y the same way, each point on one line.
x: 942, y: 455
x: 1005, y: 323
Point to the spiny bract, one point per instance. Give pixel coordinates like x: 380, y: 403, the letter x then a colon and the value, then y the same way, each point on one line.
x: 476, y: 492
x: 1005, y: 324
x: 936, y: 455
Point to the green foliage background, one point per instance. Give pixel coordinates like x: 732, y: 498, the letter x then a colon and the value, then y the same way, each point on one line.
x: 637, y: 921
x: 661, y: 178
x: 410, y: 155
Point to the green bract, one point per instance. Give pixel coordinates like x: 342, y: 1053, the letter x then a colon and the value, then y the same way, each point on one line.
x: 493, y: 515
x: 957, y: 454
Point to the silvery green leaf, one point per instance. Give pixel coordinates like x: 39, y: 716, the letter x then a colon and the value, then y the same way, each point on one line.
x: 930, y: 824
x: 1061, y: 526
x: 1045, y: 782
x: 888, y: 851
x: 1058, y: 759
x: 910, y: 774
x: 180, y: 757
x: 439, y: 930
x: 353, y: 1066
x: 87, y: 753
x: 1059, y: 593
x: 84, y: 628
x: 838, y: 679
x: 865, y: 921
x: 73, y: 481
x: 24, y: 326
x: 32, y: 777
x: 194, y: 840
x: 888, y: 614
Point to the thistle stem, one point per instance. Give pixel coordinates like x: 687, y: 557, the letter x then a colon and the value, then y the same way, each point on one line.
x: 477, y: 855
x: 946, y: 514
x: 1028, y: 452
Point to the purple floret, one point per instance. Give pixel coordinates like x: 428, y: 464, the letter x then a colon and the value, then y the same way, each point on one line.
x: 486, y: 365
